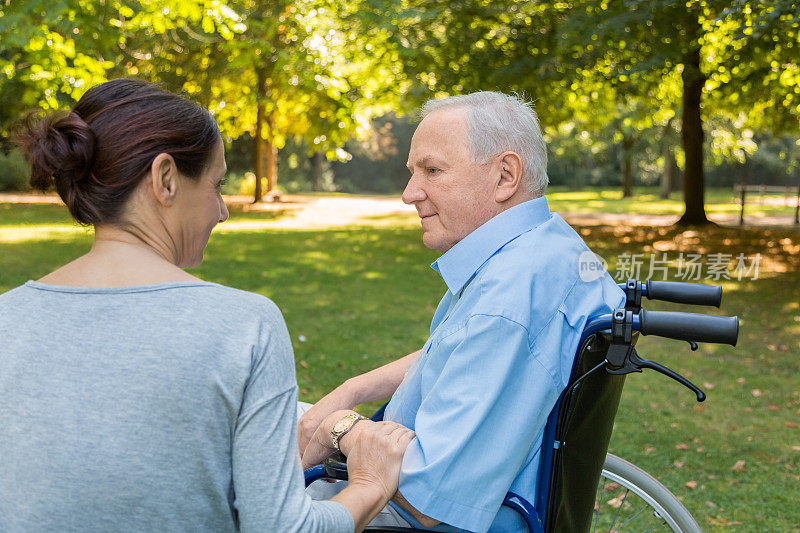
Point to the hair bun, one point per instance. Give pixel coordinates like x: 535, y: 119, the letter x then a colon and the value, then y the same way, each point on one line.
x: 60, y: 148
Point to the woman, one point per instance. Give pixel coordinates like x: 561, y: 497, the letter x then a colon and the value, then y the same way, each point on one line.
x: 133, y: 395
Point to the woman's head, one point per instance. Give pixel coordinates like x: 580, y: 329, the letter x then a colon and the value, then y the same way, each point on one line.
x: 97, y: 154
x: 119, y: 135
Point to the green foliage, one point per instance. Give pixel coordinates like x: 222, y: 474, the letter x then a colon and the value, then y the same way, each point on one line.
x: 14, y: 171
x: 322, y: 71
x: 762, y: 76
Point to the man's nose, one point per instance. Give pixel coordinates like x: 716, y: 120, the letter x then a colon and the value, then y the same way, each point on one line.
x: 413, y: 193
x: 223, y: 211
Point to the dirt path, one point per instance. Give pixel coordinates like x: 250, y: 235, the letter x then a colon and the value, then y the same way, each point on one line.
x: 322, y: 211
x: 330, y: 211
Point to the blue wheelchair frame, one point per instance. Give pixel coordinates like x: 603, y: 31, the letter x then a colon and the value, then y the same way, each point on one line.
x: 687, y: 326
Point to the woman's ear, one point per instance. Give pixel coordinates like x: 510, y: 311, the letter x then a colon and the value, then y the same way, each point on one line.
x: 164, y: 179
x: 510, y: 176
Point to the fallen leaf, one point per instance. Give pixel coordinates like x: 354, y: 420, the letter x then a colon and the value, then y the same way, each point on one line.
x: 711, y: 504
x: 756, y: 393
x: 615, y: 502
x: 682, y: 446
x: 708, y: 385
x: 740, y: 381
x: 719, y: 521
x: 796, y: 448
x: 678, y: 464
x: 691, y: 484
x: 773, y: 407
x: 791, y: 425
x: 303, y: 364
x: 738, y: 466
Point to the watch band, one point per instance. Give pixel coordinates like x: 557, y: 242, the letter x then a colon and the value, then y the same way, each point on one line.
x: 343, y: 426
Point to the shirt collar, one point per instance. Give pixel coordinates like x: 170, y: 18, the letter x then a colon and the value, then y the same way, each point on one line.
x: 460, y: 262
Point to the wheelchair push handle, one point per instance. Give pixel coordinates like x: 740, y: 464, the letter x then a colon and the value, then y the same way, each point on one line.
x: 690, y: 326
x: 683, y: 293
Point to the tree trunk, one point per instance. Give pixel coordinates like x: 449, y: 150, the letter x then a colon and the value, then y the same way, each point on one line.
x: 272, y: 160
x: 318, y: 170
x: 692, y: 136
x: 259, y: 146
x: 627, y: 178
x: 669, y: 177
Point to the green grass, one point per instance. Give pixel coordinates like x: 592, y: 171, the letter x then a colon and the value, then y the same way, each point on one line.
x: 356, y: 297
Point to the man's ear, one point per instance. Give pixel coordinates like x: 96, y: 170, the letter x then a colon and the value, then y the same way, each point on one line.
x: 510, y: 176
x: 164, y: 179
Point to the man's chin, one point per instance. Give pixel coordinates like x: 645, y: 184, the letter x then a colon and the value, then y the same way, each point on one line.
x: 435, y: 244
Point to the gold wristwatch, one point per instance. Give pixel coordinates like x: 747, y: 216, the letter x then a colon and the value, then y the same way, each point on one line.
x: 342, y: 426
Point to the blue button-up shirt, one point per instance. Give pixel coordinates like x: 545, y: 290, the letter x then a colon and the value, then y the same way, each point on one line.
x: 501, y: 349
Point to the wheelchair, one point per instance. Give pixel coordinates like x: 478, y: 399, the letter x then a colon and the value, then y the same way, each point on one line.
x: 581, y: 486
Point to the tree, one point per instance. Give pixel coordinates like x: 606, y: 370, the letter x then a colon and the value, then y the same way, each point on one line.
x: 273, y: 69
x: 278, y: 69
x: 50, y: 55
x: 675, y: 58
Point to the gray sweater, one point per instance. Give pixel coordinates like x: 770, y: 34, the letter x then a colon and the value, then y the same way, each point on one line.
x: 168, y: 407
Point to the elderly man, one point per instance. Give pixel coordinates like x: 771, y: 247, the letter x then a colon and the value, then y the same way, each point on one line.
x: 503, y: 337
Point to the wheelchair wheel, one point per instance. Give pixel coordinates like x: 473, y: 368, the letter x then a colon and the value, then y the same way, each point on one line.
x: 629, y: 497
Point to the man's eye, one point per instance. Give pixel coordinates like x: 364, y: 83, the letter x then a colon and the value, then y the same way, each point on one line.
x: 432, y: 170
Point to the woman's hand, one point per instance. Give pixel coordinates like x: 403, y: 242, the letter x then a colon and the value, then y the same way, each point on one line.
x: 374, y: 453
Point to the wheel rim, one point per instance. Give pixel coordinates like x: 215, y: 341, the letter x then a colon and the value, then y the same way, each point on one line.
x: 621, y: 505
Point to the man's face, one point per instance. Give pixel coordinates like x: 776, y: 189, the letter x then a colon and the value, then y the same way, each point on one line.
x: 453, y: 195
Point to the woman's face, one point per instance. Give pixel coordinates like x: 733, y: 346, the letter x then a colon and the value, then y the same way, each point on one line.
x: 200, y: 208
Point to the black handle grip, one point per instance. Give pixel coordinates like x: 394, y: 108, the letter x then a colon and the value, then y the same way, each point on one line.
x: 690, y: 326
x: 684, y: 293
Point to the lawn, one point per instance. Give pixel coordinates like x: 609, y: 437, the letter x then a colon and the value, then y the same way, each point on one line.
x: 355, y: 297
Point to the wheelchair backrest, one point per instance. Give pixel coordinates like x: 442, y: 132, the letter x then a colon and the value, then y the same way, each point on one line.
x: 581, y: 430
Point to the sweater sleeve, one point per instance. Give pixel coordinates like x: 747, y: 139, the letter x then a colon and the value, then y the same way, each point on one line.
x: 268, y: 479
x: 268, y: 483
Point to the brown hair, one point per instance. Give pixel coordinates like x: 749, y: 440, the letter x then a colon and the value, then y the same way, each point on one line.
x: 99, y: 152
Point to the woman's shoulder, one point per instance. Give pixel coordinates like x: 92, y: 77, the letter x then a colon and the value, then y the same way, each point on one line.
x: 241, y: 298
x: 14, y: 294
x: 195, y: 295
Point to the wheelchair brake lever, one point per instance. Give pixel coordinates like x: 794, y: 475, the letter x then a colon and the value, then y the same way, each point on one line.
x: 646, y: 363
x: 336, y: 466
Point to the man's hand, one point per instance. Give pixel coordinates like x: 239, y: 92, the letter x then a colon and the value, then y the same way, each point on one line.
x: 339, y: 399
x: 320, y: 446
x: 374, y: 385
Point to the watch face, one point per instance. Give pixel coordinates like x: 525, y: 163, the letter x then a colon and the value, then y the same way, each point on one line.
x: 341, y: 425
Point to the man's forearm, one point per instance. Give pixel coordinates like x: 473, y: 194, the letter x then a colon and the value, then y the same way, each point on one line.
x: 379, y: 383
x: 374, y: 385
x: 425, y: 520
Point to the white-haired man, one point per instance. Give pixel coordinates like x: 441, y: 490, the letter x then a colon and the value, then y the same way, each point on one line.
x: 503, y: 336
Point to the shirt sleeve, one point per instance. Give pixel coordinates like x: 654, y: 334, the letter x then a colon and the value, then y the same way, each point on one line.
x: 478, y: 424
x: 268, y: 483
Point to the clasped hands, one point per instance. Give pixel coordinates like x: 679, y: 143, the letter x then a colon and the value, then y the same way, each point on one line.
x: 374, y: 450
